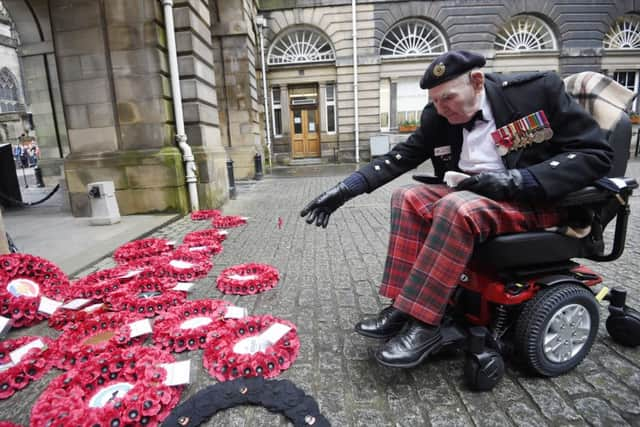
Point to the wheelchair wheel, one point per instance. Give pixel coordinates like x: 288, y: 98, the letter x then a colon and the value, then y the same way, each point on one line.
x: 556, y: 329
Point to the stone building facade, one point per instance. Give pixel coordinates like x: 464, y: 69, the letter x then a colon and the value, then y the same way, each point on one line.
x: 310, y: 60
x: 97, y: 79
x: 13, y: 118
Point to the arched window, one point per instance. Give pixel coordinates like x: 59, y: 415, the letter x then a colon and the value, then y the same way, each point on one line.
x: 8, y: 85
x: 300, y: 46
x: 623, y: 34
x: 414, y: 37
x: 525, y: 33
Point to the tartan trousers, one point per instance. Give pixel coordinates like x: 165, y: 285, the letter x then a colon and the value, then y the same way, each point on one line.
x: 434, y: 230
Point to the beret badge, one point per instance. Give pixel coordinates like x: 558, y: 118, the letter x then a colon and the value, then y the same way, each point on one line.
x: 439, y: 69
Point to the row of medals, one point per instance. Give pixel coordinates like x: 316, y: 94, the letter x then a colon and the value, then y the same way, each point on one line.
x: 523, y: 132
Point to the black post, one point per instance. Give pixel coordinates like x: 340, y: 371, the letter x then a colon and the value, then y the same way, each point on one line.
x: 232, y: 180
x: 257, y: 161
x: 38, y: 173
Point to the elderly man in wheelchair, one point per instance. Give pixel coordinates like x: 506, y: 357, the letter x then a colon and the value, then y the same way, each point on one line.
x: 480, y: 255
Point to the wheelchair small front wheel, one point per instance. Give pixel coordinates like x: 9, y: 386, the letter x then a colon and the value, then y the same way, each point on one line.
x: 557, y: 328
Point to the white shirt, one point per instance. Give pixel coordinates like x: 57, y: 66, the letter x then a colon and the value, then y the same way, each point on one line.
x: 479, y: 153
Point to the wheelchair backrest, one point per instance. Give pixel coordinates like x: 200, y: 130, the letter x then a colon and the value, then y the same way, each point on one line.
x: 608, y: 102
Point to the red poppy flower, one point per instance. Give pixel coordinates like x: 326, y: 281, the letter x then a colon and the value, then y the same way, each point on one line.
x: 32, y: 365
x: 24, y: 279
x: 107, y: 397
x: 185, y: 327
x: 146, y: 298
x: 228, y: 221
x: 201, y: 246
x: 205, y: 214
x: 211, y: 234
x: 247, y: 279
x: 239, y: 348
x: 142, y: 248
x: 80, y: 342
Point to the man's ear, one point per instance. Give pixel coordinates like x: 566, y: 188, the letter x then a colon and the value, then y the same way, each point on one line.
x: 477, y: 79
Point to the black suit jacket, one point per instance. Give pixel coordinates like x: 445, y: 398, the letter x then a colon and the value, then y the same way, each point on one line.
x: 574, y: 157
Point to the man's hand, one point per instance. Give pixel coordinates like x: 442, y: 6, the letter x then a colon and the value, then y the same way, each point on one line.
x: 507, y: 185
x: 321, y: 208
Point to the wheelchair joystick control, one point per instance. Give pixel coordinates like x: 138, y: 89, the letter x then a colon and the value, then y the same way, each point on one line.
x: 483, y: 367
x: 623, y: 323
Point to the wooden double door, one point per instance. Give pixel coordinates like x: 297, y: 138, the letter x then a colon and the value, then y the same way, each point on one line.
x: 305, y: 131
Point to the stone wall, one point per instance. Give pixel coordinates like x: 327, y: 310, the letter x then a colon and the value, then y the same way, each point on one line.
x: 235, y: 53
x: 579, y: 28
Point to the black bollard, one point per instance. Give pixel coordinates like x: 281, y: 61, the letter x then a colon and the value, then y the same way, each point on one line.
x: 38, y: 173
x: 232, y: 180
x: 257, y: 161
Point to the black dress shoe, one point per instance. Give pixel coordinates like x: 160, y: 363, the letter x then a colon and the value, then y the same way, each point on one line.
x: 385, y: 325
x: 411, y: 346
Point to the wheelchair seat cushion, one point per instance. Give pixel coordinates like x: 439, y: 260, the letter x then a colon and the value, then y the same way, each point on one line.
x: 530, y: 249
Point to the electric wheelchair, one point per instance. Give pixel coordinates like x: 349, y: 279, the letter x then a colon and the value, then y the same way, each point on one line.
x: 524, y: 295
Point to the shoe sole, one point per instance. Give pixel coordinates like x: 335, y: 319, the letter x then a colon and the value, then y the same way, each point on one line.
x: 372, y: 335
x: 435, y: 346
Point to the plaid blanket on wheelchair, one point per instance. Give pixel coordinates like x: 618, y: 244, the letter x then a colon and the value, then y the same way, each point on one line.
x: 606, y: 100
x: 602, y: 97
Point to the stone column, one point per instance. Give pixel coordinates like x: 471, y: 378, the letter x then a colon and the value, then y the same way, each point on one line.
x: 199, y: 99
x: 114, y: 77
x: 237, y: 49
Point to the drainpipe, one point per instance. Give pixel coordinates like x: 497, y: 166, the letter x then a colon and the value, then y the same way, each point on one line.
x: 181, y: 137
x: 261, y: 23
x: 355, y: 79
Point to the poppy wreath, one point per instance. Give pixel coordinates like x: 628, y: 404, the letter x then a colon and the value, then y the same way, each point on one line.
x: 186, y: 326
x: 205, y: 214
x: 224, y: 363
x: 31, y: 367
x: 182, y: 265
x: 247, y: 279
x: 209, y: 235
x: 201, y: 246
x: 99, y: 283
x: 142, y: 248
x: 80, y: 342
x: 146, y: 297
x: 121, y: 388
x: 23, y: 280
x: 228, y: 221
x: 62, y: 316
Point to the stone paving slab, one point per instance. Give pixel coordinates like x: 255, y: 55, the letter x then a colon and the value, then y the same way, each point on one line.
x: 329, y: 281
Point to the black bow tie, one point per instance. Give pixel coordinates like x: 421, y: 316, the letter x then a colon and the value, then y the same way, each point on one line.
x: 471, y: 123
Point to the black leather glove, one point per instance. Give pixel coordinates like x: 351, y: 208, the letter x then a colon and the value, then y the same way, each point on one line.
x: 321, y: 208
x: 507, y: 185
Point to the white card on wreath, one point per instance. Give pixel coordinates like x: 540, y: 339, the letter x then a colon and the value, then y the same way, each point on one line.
x: 76, y: 304
x: 48, y: 305
x: 184, y: 286
x: 93, y: 307
x: 178, y: 372
x: 5, y: 325
x: 140, y: 327
x: 234, y: 312
x: 17, y: 354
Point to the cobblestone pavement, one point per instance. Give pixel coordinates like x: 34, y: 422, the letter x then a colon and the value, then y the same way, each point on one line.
x: 329, y: 281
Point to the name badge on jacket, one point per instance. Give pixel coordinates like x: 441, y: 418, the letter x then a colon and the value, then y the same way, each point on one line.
x: 534, y: 128
x: 442, y: 150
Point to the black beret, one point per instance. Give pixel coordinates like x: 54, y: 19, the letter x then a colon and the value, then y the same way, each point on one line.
x: 450, y: 65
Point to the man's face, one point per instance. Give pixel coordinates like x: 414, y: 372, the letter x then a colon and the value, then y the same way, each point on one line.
x: 457, y: 100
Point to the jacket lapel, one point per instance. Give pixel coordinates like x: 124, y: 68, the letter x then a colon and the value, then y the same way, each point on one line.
x: 503, y: 113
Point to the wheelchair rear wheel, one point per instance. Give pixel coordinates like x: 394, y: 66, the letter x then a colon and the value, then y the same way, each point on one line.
x: 557, y: 328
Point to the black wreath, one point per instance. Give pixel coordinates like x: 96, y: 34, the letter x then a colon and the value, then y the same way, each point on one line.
x: 275, y: 395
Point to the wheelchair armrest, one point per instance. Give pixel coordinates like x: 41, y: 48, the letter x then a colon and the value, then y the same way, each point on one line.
x: 599, y: 192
